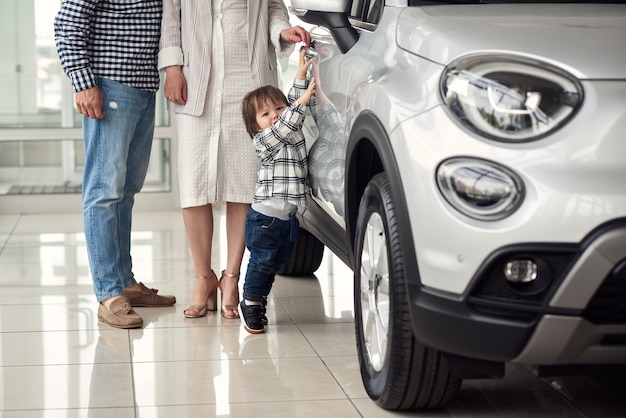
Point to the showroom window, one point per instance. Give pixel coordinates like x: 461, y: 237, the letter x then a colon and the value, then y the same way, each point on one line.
x: 41, y: 148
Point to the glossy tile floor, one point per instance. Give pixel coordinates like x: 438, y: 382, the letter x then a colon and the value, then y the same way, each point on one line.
x: 56, y: 360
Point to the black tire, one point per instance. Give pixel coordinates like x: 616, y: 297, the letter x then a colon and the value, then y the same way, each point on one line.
x: 397, y: 371
x: 306, y: 256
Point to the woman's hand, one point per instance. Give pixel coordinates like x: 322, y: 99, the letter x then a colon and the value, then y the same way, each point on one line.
x: 175, y: 87
x: 296, y: 34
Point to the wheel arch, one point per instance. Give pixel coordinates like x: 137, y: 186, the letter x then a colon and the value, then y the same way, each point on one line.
x: 369, y: 152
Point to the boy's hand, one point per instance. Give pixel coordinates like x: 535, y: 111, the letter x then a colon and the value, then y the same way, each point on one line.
x: 303, y: 65
x: 305, y: 98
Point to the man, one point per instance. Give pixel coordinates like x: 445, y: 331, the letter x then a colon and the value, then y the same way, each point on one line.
x: 109, y: 49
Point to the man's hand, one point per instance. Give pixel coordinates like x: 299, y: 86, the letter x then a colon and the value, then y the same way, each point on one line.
x: 89, y: 103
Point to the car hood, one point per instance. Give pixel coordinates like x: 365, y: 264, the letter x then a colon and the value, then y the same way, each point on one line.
x: 587, y: 40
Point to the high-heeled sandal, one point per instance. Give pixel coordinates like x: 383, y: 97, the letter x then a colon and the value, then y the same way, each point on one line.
x: 211, y: 303
x: 230, y: 311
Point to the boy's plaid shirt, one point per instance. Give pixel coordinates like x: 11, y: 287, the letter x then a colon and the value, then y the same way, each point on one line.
x: 282, y: 150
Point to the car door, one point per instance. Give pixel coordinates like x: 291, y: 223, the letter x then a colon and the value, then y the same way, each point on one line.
x: 340, y: 76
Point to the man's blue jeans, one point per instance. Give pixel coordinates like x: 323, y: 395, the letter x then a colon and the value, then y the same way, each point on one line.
x: 117, y: 153
x: 270, y: 241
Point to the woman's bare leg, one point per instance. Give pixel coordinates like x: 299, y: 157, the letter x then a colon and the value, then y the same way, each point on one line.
x: 199, y: 226
x: 235, y: 228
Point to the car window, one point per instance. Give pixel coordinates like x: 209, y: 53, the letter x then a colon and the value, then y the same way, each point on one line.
x: 432, y: 2
x: 355, y: 9
x: 366, y: 13
x: 374, y: 9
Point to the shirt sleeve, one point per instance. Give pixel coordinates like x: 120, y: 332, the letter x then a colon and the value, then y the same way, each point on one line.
x: 296, y: 90
x: 170, y: 45
x: 269, y: 141
x: 72, y: 29
x: 279, y: 21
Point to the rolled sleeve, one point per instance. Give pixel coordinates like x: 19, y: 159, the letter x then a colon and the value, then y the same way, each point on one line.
x: 169, y: 56
x: 82, y: 79
x: 279, y: 21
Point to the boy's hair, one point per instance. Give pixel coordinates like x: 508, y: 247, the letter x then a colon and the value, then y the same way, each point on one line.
x: 254, y: 100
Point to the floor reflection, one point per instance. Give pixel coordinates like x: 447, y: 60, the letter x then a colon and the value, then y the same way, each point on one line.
x: 57, y: 360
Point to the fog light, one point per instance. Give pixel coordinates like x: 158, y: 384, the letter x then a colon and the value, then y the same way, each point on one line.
x: 520, y: 271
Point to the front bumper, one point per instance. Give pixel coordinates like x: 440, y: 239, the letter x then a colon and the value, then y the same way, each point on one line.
x: 579, y: 318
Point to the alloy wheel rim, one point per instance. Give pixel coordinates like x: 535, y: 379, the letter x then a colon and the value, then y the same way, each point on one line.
x: 374, y: 291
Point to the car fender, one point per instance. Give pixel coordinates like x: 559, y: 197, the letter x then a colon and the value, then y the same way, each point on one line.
x: 368, y: 153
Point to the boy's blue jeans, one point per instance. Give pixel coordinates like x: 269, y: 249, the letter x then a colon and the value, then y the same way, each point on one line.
x: 117, y: 153
x: 270, y: 242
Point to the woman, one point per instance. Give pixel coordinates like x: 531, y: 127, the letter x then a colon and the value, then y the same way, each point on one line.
x: 213, y: 53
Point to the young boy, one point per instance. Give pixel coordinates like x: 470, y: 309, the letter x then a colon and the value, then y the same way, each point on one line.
x: 275, y: 123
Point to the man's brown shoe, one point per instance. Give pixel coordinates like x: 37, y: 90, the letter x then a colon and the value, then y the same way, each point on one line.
x: 120, y: 314
x: 148, y: 297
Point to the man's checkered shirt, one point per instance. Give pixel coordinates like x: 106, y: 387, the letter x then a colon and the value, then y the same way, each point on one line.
x: 117, y: 40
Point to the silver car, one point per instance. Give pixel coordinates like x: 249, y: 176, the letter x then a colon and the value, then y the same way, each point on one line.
x: 468, y: 162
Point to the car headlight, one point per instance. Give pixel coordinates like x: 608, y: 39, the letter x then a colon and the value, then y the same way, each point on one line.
x: 480, y: 189
x: 509, y: 99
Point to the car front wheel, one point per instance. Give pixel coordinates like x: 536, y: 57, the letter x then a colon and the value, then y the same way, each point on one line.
x: 397, y: 371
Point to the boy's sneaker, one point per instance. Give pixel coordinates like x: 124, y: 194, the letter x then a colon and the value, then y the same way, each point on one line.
x: 263, y: 311
x: 252, y: 316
